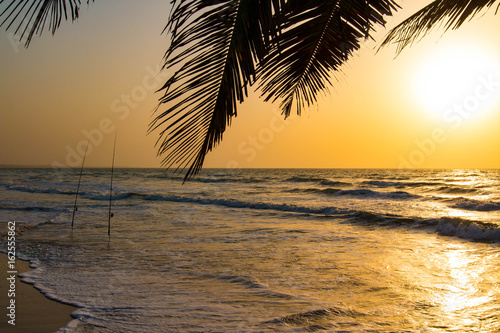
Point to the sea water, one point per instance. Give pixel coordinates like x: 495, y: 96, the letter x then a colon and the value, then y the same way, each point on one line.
x: 269, y: 250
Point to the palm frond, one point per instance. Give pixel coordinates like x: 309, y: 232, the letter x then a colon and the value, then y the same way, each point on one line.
x: 214, y: 47
x: 450, y: 13
x: 29, y: 17
x: 318, y: 36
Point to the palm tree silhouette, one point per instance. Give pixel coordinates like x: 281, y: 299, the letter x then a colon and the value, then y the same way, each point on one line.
x: 289, y: 49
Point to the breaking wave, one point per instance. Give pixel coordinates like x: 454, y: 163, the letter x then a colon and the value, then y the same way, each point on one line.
x: 359, y: 193
x: 474, y: 205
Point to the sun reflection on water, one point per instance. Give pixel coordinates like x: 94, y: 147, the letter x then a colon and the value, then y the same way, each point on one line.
x: 452, y: 212
x: 459, y: 296
x: 453, y: 286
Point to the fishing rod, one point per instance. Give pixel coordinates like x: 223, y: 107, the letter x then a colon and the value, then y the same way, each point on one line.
x: 75, y: 207
x: 110, y: 215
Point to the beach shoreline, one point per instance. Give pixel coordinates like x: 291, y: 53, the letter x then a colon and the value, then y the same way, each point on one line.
x: 261, y: 250
x: 33, y: 311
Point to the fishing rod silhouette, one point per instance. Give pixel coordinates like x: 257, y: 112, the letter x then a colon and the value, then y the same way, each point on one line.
x: 75, y: 206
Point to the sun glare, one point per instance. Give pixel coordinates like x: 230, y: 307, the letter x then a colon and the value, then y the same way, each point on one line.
x: 464, y: 79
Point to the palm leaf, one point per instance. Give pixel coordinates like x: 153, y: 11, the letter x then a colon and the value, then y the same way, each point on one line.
x: 213, y: 51
x: 216, y: 44
x: 29, y: 17
x: 451, y: 13
x: 318, y: 36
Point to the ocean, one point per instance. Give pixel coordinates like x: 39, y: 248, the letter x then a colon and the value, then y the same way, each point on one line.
x: 263, y: 250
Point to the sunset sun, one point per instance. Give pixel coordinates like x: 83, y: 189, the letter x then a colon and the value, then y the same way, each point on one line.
x: 463, y: 78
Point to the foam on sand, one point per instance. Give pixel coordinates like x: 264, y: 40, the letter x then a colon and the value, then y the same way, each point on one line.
x: 34, y: 312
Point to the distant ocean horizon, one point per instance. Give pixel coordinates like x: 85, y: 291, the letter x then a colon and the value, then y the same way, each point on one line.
x: 48, y: 166
x: 263, y: 250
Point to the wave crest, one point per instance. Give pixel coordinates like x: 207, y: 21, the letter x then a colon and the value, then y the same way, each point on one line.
x: 474, y: 205
x: 472, y: 230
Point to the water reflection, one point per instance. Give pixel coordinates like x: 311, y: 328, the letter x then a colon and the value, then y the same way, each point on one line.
x: 453, y: 285
x: 464, y: 276
x: 462, y: 291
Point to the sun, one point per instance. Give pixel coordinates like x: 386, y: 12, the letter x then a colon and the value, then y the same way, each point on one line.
x: 462, y: 78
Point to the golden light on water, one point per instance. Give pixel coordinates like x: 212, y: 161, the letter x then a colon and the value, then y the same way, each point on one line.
x: 451, y: 284
x: 451, y: 212
x: 459, y: 294
x: 461, y: 280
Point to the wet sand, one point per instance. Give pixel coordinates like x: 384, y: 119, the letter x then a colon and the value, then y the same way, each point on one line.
x: 34, y: 312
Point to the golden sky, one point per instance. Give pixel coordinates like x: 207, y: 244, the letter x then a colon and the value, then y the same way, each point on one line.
x: 437, y: 105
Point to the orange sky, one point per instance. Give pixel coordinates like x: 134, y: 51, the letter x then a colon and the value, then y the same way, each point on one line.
x: 437, y: 105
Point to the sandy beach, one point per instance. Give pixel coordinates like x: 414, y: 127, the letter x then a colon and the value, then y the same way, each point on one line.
x: 34, y: 312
